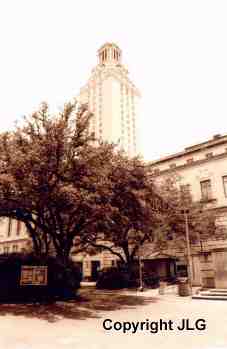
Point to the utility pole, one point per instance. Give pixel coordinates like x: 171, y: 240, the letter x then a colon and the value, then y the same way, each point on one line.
x: 140, y: 272
x: 189, y: 259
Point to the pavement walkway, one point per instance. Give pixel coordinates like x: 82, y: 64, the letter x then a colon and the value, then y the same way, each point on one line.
x: 83, y: 328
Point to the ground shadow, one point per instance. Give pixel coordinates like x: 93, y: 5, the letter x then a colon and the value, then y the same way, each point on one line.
x: 88, y: 304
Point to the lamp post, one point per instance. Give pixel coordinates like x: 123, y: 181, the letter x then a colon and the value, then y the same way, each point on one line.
x: 189, y: 260
x: 140, y: 272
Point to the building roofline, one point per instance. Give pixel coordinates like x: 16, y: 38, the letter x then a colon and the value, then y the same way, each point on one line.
x: 216, y: 140
x: 194, y: 163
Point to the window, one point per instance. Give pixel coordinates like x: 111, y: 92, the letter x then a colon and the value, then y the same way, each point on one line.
x: 186, y: 188
x: 15, y: 248
x: 225, y: 185
x: 6, y: 249
x: 9, y: 226
x: 156, y: 171
x: 189, y: 160
x: 209, y: 155
x: 172, y: 165
x: 206, y: 193
x: 18, y: 227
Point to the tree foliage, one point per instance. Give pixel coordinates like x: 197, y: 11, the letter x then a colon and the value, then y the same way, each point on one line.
x: 49, y: 177
x: 132, y: 216
x: 74, y: 193
x: 181, y: 207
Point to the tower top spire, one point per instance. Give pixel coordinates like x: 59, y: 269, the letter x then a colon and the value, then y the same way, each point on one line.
x: 109, y: 53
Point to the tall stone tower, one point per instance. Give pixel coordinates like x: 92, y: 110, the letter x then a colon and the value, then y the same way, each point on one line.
x: 113, y: 99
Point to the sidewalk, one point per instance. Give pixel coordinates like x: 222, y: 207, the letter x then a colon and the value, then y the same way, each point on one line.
x: 170, y: 290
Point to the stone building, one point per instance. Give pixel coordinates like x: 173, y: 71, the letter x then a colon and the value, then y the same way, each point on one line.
x: 13, y: 236
x: 203, y: 169
x: 113, y: 99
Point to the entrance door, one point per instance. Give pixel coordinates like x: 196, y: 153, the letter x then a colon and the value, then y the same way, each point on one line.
x: 196, y: 271
x: 220, y: 263
x: 80, y: 267
x: 95, y: 267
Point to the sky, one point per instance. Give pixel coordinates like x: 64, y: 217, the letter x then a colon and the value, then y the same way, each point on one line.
x: 175, y: 51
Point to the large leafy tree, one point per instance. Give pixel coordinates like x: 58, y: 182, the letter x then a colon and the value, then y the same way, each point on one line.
x: 50, y: 177
x: 180, y: 206
x: 133, y: 212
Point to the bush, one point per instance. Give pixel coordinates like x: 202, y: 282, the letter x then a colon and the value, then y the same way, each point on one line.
x: 112, y: 278
x: 62, y: 280
x: 119, y: 277
x: 151, y: 280
x: 172, y: 279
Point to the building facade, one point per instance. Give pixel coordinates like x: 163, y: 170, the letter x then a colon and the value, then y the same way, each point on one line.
x: 203, y: 169
x: 13, y: 237
x: 113, y: 99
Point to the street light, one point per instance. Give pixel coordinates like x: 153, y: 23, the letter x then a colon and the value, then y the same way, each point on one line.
x: 140, y: 272
x: 189, y: 260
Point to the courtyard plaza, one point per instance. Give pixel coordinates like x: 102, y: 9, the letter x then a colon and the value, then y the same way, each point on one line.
x: 79, y: 324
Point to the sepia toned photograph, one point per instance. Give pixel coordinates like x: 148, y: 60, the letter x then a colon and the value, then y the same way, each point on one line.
x: 113, y: 174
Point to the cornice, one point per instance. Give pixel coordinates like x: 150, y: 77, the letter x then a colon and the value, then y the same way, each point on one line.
x: 188, y: 165
x: 191, y: 150
x: 7, y: 242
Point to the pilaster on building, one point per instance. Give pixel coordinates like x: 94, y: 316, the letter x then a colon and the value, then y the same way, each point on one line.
x: 113, y: 99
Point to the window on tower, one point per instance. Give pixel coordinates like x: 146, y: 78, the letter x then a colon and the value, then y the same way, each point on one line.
x: 9, y: 226
x: 18, y: 227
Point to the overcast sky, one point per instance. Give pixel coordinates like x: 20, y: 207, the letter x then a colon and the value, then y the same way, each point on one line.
x: 176, y: 53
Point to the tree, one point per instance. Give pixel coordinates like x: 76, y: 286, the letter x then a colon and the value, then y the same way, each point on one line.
x: 50, y: 177
x: 132, y: 215
x: 201, y: 220
x: 185, y: 221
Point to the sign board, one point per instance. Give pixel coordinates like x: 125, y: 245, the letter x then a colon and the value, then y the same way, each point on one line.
x: 33, y: 275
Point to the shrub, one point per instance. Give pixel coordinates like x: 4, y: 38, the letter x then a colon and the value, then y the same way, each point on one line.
x: 63, y: 280
x: 112, y: 278
x: 172, y: 279
x: 151, y: 280
x: 119, y: 277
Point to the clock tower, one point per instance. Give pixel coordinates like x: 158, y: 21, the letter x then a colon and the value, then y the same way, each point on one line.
x: 113, y: 99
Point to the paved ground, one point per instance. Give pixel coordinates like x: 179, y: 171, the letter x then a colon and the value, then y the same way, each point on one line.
x: 80, y: 325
